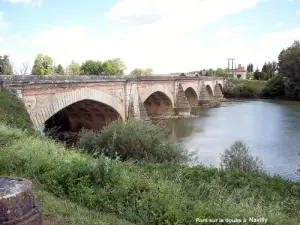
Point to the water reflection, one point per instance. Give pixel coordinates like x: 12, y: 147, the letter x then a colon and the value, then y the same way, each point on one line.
x: 270, y: 128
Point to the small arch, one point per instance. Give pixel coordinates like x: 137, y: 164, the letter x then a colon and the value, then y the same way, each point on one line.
x: 192, y: 96
x: 156, y: 89
x: 158, y: 104
x: 221, y: 88
x: 209, y: 91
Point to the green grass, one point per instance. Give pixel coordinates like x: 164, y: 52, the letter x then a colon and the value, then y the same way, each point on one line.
x: 142, y: 193
x: 13, y: 112
x: 57, y: 211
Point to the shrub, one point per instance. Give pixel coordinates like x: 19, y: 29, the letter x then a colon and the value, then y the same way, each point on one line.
x: 133, y: 140
x: 245, y: 88
x: 274, y: 87
x: 238, y: 157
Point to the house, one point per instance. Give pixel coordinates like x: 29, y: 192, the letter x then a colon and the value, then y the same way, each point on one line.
x: 240, y: 72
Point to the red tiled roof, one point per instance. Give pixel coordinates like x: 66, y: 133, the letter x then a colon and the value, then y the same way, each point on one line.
x: 240, y: 68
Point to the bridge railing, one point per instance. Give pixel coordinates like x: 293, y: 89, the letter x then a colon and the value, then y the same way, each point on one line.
x: 46, y: 79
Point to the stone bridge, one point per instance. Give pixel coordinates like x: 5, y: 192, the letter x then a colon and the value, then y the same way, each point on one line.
x: 93, y: 101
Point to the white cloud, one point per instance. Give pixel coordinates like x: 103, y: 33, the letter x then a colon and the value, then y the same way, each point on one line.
x: 156, y: 35
x: 2, y: 22
x: 1, y: 38
x: 298, y: 12
x: 231, y: 31
x: 176, y: 15
x: 27, y: 2
x: 279, y: 24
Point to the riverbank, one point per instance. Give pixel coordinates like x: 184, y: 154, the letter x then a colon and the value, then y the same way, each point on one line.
x: 77, y: 188
x: 146, y: 193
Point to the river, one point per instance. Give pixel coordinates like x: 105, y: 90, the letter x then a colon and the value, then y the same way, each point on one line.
x: 270, y: 128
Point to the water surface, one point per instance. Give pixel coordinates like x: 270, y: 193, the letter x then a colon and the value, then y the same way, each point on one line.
x: 270, y: 128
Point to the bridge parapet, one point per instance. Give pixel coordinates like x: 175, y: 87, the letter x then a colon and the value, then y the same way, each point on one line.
x: 52, y: 79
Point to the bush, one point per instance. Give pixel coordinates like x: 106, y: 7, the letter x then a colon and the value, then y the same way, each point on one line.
x: 245, y: 88
x: 133, y: 140
x: 274, y: 87
x: 238, y: 157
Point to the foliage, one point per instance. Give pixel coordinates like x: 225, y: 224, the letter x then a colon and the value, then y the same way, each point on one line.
x: 6, y: 65
x: 289, y: 70
x: 210, y: 72
x: 58, y: 211
x: 222, y: 72
x: 59, y: 70
x: 74, y: 68
x: 108, y: 67
x: 146, y: 193
x: 141, y: 72
x: 274, y: 87
x: 147, y: 142
x: 238, y: 157
x: 91, y: 67
x: 245, y: 88
x: 43, y: 65
x: 13, y: 112
x: 250, y: 68
x: 269, y: 69
x: 114, y: 67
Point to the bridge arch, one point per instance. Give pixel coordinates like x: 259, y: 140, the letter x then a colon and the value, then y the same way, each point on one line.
x: 221, y: 87
x: 157, y: 88
x: 192, y: 96
x: 158, y: 104
x: 209, y: 91
x: 84, y: 101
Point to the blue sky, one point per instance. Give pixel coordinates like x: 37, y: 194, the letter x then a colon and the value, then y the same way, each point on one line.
x: 166, y: 35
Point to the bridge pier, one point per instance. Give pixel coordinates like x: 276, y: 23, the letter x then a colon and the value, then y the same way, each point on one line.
x: 183, y: 111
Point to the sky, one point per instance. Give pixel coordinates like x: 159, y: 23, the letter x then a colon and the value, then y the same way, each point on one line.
x: 165, y: 35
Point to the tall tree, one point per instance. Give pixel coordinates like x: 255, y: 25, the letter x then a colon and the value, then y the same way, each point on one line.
x: 73, y: 68
x: 256, y: 74
x: 6, y: 66
x: 59, y: 70
x: 43, y: 65
x: 114, y: 67
x: 289, y: 69
x: 91, y: 67
x: 141, y: 72
x: 221, y: 72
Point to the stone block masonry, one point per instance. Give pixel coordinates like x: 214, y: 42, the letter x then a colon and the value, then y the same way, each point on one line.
x: 93, y: 101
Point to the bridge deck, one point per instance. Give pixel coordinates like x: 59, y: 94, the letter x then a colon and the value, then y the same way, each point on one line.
x: 56, y: 79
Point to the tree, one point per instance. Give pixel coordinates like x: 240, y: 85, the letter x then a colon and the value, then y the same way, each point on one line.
x: 256, y: 74
x: 238, y: 157
x: 91, y: 67
x: 141, y: 72
x: 6, y: 65
x: 74, y: 68
x: 221, y: 72
x: 24, y: 69
x: 274, y: 87
x: 43, y: 65
x: 210, y: 72
x: 59, y: 70
x: 251, y: 68
x: 289, y: 70
x: 114, y: 67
